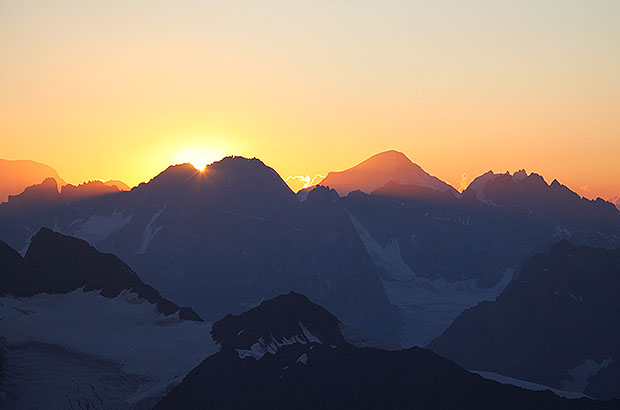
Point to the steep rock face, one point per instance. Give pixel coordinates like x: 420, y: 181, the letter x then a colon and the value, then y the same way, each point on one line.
x: 557, y: 323
x: 225, y: 239
x: 11, y: 265
x: 59, y: 264
x: 378, y: 170
x: 308, y: 364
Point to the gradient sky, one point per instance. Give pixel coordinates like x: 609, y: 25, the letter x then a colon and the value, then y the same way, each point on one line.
x: 118, y: 89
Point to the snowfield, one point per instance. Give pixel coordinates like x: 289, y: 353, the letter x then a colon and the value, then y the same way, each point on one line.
x: 108, y: 353
x: 427, y: 307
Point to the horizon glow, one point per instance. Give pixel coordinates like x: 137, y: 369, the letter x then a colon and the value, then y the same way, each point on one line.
x: 118, y: 90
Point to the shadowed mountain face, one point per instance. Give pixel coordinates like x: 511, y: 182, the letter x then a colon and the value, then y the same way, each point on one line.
x: 557, y: 323
x: 59, y: 264
x: 438, y: 254
x: 15, y: 176
x: 225, y: 239
x: 308, y: 364
x: 378, y: 170
x: 286, y: 319
x: 72, y: 193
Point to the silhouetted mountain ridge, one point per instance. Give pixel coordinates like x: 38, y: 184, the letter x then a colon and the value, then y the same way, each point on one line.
x: 16, y: 175
x: 58, y: 264
x: 224, y: 239
x: 234, y: 234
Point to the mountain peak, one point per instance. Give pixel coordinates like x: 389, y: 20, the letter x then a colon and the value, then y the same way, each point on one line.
x: 16, y: 175
x: 286, y: 318
x: 46, y: 191
x: 58, y: 264
x: 391, y: 155
x: 376, y: 171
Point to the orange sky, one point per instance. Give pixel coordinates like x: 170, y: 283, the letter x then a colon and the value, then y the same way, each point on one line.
x: 117, y: 91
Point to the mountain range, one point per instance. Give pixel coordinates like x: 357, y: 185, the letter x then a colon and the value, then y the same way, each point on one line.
x: 402, y: 262
x: 94, y: 338
x: 16, y: 176
x: 398, y: 264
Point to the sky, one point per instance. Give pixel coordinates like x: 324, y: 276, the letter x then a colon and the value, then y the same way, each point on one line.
x: 121, y: 89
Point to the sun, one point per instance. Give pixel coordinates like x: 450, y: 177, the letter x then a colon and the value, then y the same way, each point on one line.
x: 198, y: 157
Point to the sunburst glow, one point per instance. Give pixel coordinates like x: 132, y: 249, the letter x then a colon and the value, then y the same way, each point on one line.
x: 198, y: 157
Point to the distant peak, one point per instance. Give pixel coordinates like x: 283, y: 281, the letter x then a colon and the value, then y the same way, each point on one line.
x: 391, y: 155
x: 520, y: 175
x: 378, y: 170
x: 537, y: 177
x: 48, y: 190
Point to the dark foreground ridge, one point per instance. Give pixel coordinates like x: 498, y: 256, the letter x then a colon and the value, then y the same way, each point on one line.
x: 56, y: 263
x: 332, y: 373
x: 561, y: 311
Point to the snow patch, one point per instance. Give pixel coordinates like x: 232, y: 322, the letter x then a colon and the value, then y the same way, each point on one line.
x: 303, y: 359
x: 310, y: 337
x: 149, y: 233
x: 98, y: 228
x: 272, y: 345
x: 500, y: 378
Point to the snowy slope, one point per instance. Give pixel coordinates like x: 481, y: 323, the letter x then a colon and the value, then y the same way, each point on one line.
x: 121, y: 342
x: 427, y: 307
